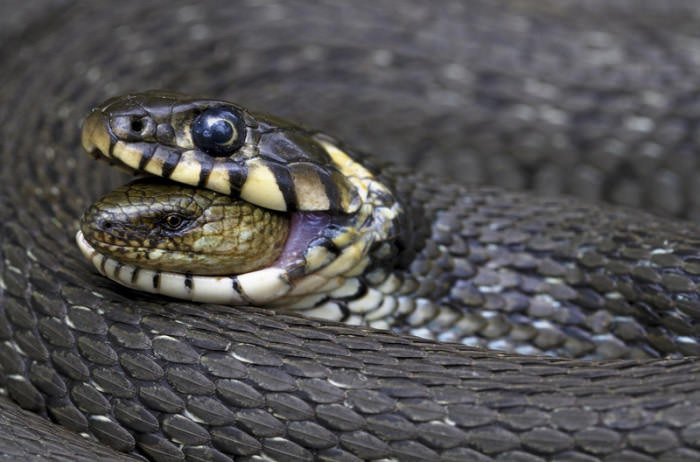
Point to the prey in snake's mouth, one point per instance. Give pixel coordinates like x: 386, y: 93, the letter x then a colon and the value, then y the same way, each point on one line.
x: 153, y: 229
x: 248, y: 209
x: 166, y: 226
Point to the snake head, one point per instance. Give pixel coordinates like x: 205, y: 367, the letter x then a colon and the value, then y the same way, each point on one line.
x: 341, y: 218
x: 221, y: 146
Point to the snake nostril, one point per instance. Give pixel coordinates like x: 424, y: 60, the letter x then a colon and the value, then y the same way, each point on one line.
x: 107, y: 225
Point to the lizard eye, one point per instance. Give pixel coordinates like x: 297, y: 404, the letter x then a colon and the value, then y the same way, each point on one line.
x: 173, y: 222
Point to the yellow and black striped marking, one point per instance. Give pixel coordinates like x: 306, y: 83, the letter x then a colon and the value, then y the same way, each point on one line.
x: 341, y: 218
x: 275, y: 164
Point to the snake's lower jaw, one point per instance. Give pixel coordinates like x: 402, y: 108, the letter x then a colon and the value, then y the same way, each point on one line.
x: 85, y: 248
x: 254, y: 288
x: 251, y: 288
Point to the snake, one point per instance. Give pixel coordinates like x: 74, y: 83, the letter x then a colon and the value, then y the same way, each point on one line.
x: 141, y: 375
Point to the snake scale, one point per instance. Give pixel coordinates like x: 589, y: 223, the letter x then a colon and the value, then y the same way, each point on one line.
x: 491, y: 91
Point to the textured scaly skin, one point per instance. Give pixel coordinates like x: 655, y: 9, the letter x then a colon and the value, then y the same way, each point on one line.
x: 511, y: 405
x: 170, y: 380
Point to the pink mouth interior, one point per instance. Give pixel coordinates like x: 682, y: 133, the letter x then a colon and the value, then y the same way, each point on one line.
x: 305, y: 227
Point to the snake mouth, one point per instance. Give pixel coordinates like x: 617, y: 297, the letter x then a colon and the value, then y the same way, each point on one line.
x: 343, y: 219
x: 255, y: 288
x: 309, y: 268
x: 297, y: 250
x: 122, y: 236
x: 284, y: 277
x: 157, y: 224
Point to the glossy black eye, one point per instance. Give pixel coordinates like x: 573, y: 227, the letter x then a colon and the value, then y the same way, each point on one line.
x: 219, y: 131
x: 173, y: 222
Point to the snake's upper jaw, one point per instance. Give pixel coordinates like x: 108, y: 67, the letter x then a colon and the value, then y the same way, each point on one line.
x: 94, y: 136
x: 271, y: 163
x: 98, y: 141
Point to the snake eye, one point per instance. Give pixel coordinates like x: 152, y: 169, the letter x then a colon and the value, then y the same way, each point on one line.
x: 219, y: 131
x: 173, y: 222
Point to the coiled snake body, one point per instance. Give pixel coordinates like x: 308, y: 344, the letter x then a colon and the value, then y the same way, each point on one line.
x: 175, y: 380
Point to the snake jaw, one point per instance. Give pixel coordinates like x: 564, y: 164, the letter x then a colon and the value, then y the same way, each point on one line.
x: 94, y: 138
x: 122, y: 237
x: 340, y: 211
x: 255, y: 288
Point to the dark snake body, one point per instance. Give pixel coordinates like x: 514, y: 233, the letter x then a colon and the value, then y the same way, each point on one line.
x: 172, y: 380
